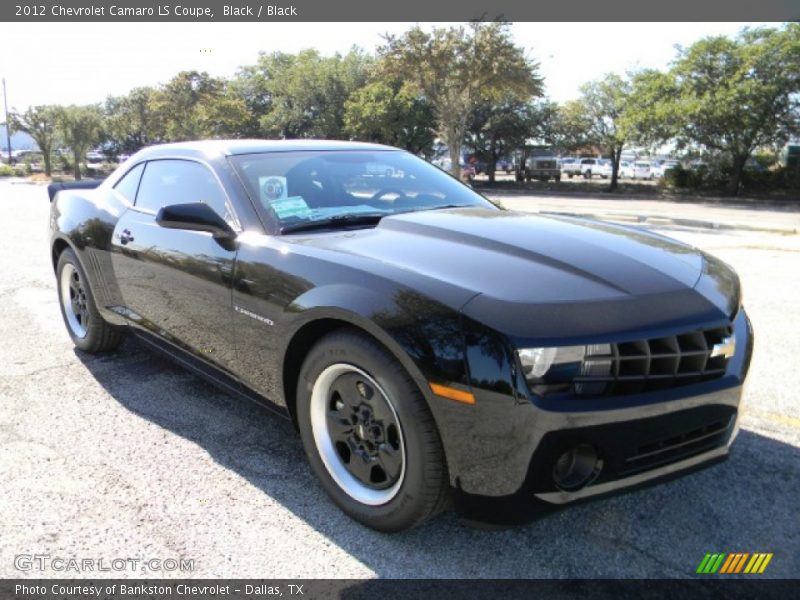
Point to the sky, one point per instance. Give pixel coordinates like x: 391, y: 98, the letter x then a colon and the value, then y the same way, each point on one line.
x: 81, y: 63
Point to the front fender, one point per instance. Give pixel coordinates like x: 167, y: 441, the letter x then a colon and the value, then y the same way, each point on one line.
x: 424, y: 335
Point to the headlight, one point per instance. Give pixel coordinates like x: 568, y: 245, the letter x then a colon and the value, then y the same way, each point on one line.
x: 556, y: 368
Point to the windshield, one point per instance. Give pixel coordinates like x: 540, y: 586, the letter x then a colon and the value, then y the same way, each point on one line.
x: 294, y: 189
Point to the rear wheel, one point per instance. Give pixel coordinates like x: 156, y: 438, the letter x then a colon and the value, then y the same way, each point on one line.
x: 88, y: 330
x: 369, y: 435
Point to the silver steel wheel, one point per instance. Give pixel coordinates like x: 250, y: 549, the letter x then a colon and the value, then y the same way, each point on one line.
x: 74, y: 301
x: 357, y: 434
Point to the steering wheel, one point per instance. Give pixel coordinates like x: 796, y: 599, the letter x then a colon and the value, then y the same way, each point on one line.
x: 385, y: 191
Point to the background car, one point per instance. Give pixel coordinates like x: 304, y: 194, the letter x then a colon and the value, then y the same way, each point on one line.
x: 588, y: 167
x: 504, y: 164
x: 604, y: 168
x: 642, y: 169
x: 625, y: 169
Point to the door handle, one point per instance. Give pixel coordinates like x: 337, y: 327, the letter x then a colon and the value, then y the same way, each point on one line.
x: 125, y: 237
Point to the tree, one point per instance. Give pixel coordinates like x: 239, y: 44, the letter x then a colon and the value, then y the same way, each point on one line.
x: 604, y: 103
x: 302, y: 95
x: 495, y: 130
x: 652, y: 118
x: 81, y: 128
x: 736, y: 95
x: 193, y: 105
x: 457, y: 69
x: 130, y: 122
x: 39, y: 122
x: 389, y: 113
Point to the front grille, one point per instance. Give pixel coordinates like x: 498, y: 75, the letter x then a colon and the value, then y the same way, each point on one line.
x: 545, y: 164
x: 651, y: 364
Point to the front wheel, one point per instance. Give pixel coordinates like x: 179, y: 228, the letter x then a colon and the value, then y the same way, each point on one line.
x: 369, y: 435
x: 87, y: 328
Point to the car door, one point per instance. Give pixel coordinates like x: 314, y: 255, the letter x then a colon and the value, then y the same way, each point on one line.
x: 176, y: 284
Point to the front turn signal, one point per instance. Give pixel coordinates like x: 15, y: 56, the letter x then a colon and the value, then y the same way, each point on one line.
x: 452, y: 393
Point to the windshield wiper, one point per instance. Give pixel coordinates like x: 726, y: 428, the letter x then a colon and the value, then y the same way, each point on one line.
x: 335, y: 222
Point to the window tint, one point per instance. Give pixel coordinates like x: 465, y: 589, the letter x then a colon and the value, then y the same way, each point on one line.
x: 179, y: 182
x: 128, y: 185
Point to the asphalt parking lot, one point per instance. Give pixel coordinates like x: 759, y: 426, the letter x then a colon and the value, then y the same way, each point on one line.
x: 128, y: 456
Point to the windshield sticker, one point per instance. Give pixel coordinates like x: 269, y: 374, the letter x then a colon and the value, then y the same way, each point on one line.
x: 272, y: 188
x: 291, y: 207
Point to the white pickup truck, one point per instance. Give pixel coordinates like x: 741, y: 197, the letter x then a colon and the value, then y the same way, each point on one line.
x: 585, y: 167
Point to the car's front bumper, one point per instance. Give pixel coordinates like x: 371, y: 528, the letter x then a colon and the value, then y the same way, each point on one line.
x: 501, y: 451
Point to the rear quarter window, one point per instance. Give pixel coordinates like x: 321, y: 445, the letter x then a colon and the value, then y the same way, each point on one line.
x: 129, y: 184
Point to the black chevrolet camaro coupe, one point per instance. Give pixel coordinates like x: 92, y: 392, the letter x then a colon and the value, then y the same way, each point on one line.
x: 429, y: 346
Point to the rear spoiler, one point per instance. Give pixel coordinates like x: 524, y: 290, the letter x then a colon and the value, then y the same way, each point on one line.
x: 86, y: 184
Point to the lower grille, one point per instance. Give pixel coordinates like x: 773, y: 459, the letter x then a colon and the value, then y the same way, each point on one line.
x: 677, y: 447
x: 653, y: 364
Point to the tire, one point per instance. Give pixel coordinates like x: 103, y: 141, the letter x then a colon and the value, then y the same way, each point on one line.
x: 587, y: 175
x: 357, y: 406
x: 88, y: 330
x: 570, y: 175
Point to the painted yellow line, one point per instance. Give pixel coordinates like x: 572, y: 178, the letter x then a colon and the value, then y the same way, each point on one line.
x: 452, y: 393
x: 774, y: 417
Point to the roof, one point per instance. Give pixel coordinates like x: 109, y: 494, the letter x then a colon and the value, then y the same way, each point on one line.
x: 210, y: 148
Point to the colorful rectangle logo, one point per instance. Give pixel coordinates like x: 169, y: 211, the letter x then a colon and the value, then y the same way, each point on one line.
x: 734, y: 562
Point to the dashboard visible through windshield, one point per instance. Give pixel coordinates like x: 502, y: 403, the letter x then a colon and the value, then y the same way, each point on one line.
x: 296, y: 191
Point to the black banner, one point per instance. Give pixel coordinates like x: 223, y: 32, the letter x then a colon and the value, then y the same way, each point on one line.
x: 395, y: 589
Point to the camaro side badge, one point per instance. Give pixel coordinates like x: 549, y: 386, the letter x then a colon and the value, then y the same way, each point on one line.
x: 726, y: 348
x: 253, y: 315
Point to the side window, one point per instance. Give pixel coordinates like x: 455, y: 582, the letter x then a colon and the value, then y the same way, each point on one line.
x: 179, y: 182
x: 128, y: 185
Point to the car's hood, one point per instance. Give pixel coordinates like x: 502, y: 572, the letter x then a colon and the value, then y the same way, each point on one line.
x: 521, y: 260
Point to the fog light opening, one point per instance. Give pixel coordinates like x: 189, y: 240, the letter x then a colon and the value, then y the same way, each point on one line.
x: 577, y: 468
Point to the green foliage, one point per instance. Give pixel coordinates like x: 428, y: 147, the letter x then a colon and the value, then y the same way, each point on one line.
x: 389, y: 113
x: 458, y: 69
x: 6, y: 171
x: 304, y: 94
x: 498, y: 129
x: 602, y: 115
x: 130, y: 123
x: 736, y: 95
x: 81, y: 129
x: 193, y: 106
x: 39, y: 122
x: 651, y: 116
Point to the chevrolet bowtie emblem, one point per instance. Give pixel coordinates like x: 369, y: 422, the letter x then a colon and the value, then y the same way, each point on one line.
x: 726, y: 348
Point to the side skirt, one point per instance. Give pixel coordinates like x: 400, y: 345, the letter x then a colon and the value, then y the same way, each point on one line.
x: 207, y: 371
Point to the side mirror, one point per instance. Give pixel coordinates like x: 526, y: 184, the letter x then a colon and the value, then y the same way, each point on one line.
x: 195, y: 216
